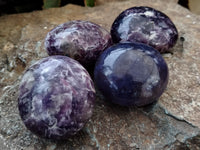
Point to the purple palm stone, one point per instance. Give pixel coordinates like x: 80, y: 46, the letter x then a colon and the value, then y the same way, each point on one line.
x: 145, y: 25
x: 80, y: 40
x: 56, y: 97
x: 131, y: 74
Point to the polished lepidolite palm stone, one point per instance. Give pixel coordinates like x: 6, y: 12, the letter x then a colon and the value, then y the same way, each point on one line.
x: 131, y: 74
x: 56, y: 97
x: 145, y: 25
x: 80, y: 40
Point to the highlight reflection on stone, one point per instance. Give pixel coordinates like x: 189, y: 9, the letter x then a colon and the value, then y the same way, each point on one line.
x: 131, y: 74
x: 145, y: 25
x: 56, y: 97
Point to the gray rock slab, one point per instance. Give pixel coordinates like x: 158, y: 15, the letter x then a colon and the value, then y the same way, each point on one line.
x: 172, y: 123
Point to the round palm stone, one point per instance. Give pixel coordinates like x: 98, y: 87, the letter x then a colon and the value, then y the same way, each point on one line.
x: 131, y: 74
x: 145, y: 25
x: 80, y: 40
x: 56, y: 97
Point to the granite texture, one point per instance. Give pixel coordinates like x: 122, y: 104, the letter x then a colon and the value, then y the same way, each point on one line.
x: 172, y: 123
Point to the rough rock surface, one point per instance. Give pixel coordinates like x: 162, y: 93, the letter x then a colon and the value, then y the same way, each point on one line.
x: 172, y: 123
x: 100, y: 2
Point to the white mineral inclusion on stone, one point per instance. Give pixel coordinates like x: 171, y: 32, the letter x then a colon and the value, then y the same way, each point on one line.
x: 50, y: 66
x: 43, y: 87
x: 63, y: 35
x: 124, y: 27
x: 153, y: 35
x: 36, y: 104
x: 149, y: 13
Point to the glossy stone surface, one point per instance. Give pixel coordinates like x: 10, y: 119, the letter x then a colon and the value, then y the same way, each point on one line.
x: 56, y: 97
x: 131, y: 74
x: 80, y: 40
x: 145, y: 25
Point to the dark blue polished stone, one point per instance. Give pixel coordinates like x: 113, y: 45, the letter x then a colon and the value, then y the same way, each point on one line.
x: 131, y: 74
x: 145, y: 25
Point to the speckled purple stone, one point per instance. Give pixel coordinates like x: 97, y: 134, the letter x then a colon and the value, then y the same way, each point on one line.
x: 131, y: 74
x: 145, y: 25
x: 56, y: 97
x: 80, y: 40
